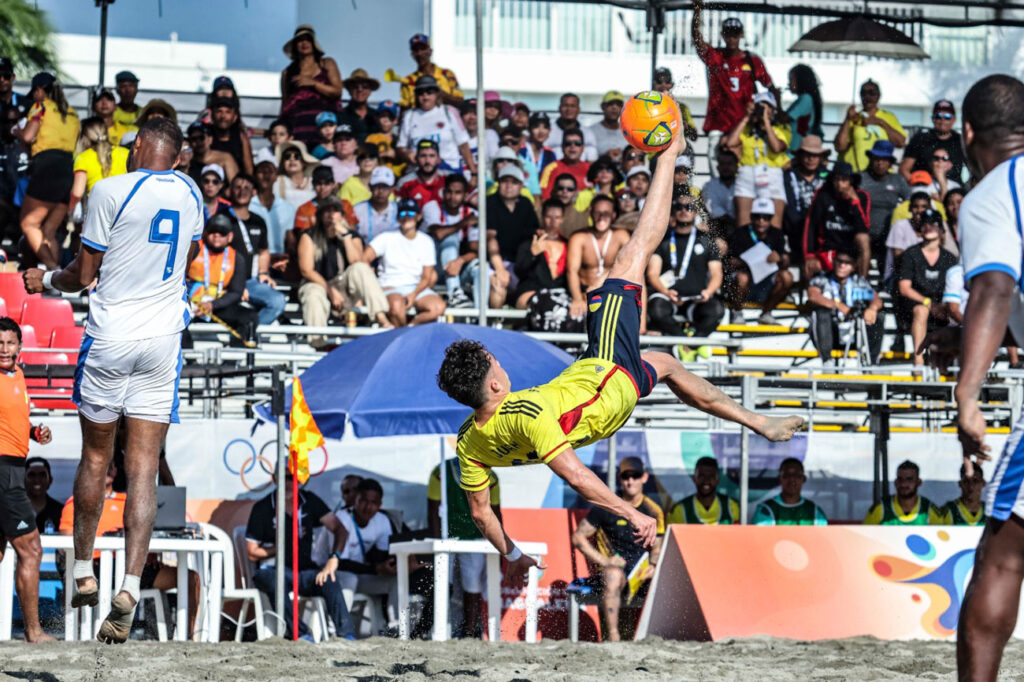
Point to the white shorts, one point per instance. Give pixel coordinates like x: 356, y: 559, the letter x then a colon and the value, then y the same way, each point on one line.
x: 473, y: 572
x: 406, y: 290
x: 1004, y: 494
x: 771, y: 186
x: 138, y: 379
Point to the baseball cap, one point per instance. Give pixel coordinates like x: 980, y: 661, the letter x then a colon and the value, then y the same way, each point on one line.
x: 732, y: 25
x: 100, y: 92
x: 408, y: 206
x: 214, y: 168
x: 43, y: 79
x: 504, y: 154
x: 631, y: 464
x: 419, y: 39
x: 262, y: 156
x: 382, y: 175
x: 683, y: 161
x: 427, y: 144
x: 426, y: 83
x: 322, y: 175
x: 841, y: 168
x: 511, y: 171
x: 944, y: 105
x: 6, y: 65
x: 343, y: 132
x: 125, y: 76
x: 521, y: 105
x: 227, y: 102
x: 199, y: 126
x: 930, y: 215
x: 767, y: 98
x: 220, y: 223
x: 637, y: 170
x: 388, y: 106
x: 326, y: 117
x: 538, y: 118
x: 662, y: 73
x: 762, y: 206
x: 223, y: 82
x: 613, y: 96
x: 920, y: 178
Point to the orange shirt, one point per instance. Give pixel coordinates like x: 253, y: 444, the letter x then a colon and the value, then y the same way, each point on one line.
x: 305, y: 216
x: 219, y: 266
x: 14, y: 423
x: 111, y: 519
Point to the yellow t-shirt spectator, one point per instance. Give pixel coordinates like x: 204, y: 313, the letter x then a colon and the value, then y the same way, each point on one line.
x: 386, y: 142
x: 117, y: 131
x: 755, y: 149
x: 126, y: 118
x: 902, y: 210
x: 55, y: 132
x: 89, y: 163
x: 863, y: 138
x: 354, y: 191
x: 446, y: 80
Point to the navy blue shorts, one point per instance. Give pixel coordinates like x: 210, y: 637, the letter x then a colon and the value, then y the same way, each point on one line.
x: 613, y: 330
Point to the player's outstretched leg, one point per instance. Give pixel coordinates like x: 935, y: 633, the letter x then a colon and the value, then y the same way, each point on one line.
x: 89, y: 489
x: 989, y: 612
x: 696, y: 392
x: 631, y: 263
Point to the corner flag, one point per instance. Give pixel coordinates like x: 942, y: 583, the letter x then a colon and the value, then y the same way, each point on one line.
x: 305, y: 435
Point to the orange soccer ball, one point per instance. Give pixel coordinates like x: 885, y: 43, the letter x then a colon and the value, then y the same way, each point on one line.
x: 649, y: 120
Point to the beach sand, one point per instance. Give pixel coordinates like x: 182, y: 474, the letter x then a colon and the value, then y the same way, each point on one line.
x: 760, y: 658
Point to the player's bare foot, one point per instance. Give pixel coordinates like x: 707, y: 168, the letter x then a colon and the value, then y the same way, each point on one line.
x: 39, y: 638
x: 778, y: 429
x: 118, y: 623
x: 87, y: 593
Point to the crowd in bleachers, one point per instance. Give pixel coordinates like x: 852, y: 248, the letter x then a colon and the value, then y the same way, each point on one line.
x: 367, y: 213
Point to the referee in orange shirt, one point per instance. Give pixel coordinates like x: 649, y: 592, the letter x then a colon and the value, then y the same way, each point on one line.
x: 17, y: 518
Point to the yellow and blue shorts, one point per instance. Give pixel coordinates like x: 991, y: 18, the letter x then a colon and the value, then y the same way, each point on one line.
x: 613, y: 330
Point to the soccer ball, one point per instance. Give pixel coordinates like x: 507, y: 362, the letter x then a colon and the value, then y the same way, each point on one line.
x: 649, y: 120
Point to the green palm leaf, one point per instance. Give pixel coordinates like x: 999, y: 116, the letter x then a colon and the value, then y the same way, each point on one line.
x: 27, y: 38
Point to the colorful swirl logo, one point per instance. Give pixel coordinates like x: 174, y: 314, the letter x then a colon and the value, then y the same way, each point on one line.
x: 240, y: 458
x: 944, y: 584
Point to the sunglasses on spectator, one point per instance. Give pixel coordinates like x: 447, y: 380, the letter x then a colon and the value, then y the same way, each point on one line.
x: 842, y: 261
x: 630, y: 157
x: 630, y: 475
x: 7, y: 76
x: 292, y: 157
x: 360, y: 86
x: 572, y: 143
x: 321, y: 183
x: 407, y: 214
x: 380, y: 186
x: 940, y: 158
x: 428, y: 91
x: 663, y: 81
x: 212, y: 181
x: 565, y: 188
x: 944, y: 115
x: 509, y: 141
x: 679, y: 206
x: 761, y: 216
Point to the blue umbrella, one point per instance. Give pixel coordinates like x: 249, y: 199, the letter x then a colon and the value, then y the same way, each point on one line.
x: 386, y: 383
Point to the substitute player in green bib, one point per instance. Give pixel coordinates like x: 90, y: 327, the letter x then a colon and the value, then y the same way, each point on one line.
x: 969, y: 508
x: 591, y: 399
x: 790, y: 507
x: 707, y: 505
x: 907, y: 508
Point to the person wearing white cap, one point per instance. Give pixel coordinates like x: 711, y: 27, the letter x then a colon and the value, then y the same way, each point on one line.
x: 211, y: 184
x: 771, y: 289
x: 761, y: 143
x: 278, y: 214
x: 684, y: 167
x: 379, y: 213
x: 638, y: 180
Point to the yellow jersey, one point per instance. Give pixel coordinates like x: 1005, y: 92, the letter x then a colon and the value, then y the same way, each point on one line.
x: 89, y: 163
x: 863, y: 138
x: 116, y: 131
x: 446, y: 81
x: 54, y: 132
x: 755, y: 149
x: 126, y: 118
x: 590, y: 400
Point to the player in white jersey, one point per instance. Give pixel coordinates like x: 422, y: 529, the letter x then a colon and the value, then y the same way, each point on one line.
x: 992, y: 251
x: 140, y: 234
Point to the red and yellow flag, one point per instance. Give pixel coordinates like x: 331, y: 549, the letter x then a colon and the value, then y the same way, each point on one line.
x: 305, y: 435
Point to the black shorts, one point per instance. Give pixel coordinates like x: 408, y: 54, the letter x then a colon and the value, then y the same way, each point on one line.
x: 17, y: 517
x: 613, y: 330
x: 51, y: 176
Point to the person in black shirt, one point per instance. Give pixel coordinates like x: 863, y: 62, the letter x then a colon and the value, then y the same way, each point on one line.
x: 922, y: 280
x: 251, y: 241
x: 614, y: 549
x: 38, y: 479
x: 228, y: 135
x: 771, y: 290
x: 512, y: 219
x: 684, y: 276
x: 837, y: 221
x: 918, y: 154
x: 14, y: 163
x: 357, y: 113
x: 260, y: 539
x: 837, y: 299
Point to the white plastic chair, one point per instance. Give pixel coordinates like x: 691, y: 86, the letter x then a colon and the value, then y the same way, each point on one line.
x: 162, y: 610
x: 233, y: 591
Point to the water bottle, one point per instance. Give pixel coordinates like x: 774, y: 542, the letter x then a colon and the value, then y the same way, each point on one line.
x: 48, y: 529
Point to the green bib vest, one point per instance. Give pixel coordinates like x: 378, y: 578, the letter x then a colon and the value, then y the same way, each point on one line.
x: 803, y: 514
x: 689, y: 507
x: 958, y: 517
x: 889, y: 517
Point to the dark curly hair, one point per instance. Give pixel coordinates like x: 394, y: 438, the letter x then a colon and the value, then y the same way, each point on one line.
x: 466, y: 364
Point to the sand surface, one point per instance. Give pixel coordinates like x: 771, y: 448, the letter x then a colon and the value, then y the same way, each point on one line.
x: 373, y: 660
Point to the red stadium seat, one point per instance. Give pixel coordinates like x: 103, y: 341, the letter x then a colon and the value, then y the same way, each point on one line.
x: 53, y: 394
x: 66, y: 337
x: 12, y: 290
x: 28, y: 337
x: 3, y: 308
x: 46, y: 313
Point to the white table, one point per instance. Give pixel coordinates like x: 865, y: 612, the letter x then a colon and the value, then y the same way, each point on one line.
x: 79, y: 622
x: 441, y: 549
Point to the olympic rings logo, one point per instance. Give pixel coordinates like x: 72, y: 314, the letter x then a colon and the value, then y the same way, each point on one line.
x: 242, y: 448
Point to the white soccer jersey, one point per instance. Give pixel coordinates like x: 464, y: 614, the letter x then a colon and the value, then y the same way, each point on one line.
x: 991, y: 228
x: 144, y: 222
x: 443, y: 125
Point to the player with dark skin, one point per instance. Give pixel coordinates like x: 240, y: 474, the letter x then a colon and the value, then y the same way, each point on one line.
x: 143, y: 438
x: 989, y: 611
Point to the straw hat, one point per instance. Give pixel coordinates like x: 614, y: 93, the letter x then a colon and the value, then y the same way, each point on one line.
x: 360, y: 76
x: 309, y: 161
x: 304, y: 30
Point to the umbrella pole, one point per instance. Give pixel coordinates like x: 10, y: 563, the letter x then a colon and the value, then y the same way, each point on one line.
x: 481, y: 182
x: 443, y: 508
x: 612, y: 463
x: 853, y: 95
x: 282, y: 465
